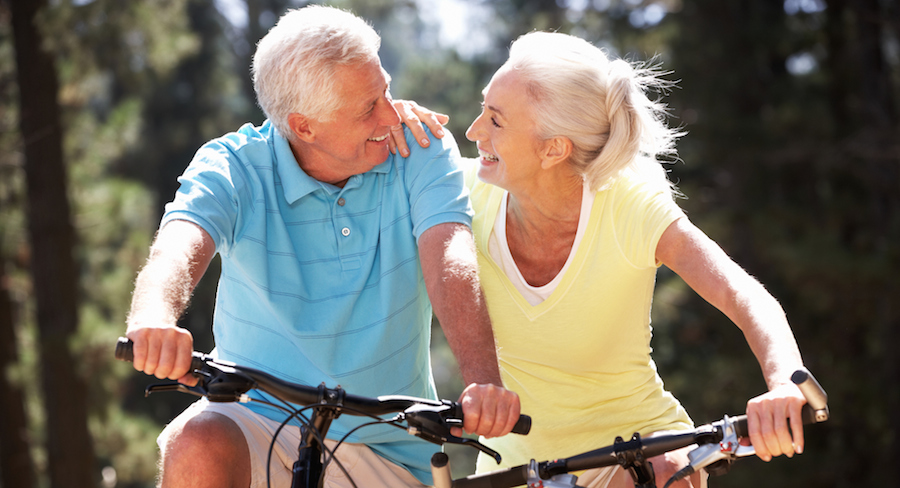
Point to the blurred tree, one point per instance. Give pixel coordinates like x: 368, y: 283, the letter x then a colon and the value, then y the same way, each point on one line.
x: 16, y: 462
x: 109, y: 55
x: 16, y: 465
x: 792, y: 165
x: 53, y: 268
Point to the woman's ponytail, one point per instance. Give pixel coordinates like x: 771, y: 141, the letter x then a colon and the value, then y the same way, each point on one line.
x: 601, y: 105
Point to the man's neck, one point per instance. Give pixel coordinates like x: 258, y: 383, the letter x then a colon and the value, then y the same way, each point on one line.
x: 305, y: 160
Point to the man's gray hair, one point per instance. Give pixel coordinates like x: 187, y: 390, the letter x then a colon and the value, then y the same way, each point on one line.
x: 294, y: 64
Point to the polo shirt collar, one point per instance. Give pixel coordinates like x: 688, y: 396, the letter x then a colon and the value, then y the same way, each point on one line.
x: 297, y: 184
x: 294, y: 181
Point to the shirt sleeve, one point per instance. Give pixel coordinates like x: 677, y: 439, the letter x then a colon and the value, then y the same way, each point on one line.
x: 642, y: 212
x: 436, y: 184
x: 212, y: 194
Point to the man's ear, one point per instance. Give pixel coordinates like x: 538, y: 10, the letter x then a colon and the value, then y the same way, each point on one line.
x: 556, y: 150
x: 301, y: 127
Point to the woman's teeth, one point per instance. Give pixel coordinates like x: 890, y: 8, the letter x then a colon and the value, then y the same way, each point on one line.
x: 488, y: 156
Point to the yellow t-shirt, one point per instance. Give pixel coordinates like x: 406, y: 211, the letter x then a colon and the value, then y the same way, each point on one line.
x: 580, y: 360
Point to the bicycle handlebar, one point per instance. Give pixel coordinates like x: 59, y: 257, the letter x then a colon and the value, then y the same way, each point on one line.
x: 717, y: 442
x: 237, y: 380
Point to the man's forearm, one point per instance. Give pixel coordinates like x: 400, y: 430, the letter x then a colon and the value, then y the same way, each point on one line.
x: 450, y: 267
x: 178, y: 259
x: 471, y: 339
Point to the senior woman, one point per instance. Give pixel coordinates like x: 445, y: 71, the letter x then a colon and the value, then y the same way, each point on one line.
x: 573, y: 215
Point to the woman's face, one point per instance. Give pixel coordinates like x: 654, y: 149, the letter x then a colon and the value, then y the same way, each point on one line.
x: 505, y: 134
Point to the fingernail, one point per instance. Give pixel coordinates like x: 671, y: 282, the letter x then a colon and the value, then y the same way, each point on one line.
x: 405, y: 152
x: 439, y: 133
x: 425, y: 141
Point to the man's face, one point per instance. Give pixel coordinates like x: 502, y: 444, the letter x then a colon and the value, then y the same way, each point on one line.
x: 356, y: 139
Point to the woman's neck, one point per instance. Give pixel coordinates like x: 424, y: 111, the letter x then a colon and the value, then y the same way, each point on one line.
x: 541, y: 226
x: 554, y: 203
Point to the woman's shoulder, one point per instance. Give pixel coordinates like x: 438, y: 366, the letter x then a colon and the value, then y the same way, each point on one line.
x: 642, y: 184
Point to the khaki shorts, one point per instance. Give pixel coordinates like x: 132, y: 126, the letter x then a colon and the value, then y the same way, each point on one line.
x: 603, y: 478
x: 367, y: 468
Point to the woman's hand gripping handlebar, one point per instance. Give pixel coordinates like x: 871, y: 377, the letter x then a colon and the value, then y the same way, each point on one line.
x: 733, y: 429
x: 718, y: 446
x: 222, y: 381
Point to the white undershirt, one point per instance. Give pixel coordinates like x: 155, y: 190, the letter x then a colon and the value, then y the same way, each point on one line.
x: 498, y: 247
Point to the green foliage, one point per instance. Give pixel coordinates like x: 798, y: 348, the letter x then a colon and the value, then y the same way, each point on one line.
x: 108, y: 53
x: 450, y: 85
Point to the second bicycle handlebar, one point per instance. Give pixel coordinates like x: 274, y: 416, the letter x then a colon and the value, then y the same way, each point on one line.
x: 717, y: 442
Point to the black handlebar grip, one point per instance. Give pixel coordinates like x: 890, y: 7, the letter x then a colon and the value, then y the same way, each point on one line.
x: 124, y: 349
x: 740, y: 426
x: 125, y: 352
x: 523, y: 425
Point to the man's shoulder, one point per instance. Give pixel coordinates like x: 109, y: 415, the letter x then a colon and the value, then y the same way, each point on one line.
x: 438, y: 160
x: 444, y: 147
x: 247, y: 136
x: 249, y: 147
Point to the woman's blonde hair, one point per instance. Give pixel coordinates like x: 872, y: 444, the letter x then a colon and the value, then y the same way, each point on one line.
x: 294, y: 64
x: 599, y: 104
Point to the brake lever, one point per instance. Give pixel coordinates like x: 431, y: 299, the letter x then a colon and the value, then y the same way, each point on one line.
x: 431, y: 422
x: 197, y: 390
x: 728, y: 449
x: 718, y: 457
x: 217, y: 381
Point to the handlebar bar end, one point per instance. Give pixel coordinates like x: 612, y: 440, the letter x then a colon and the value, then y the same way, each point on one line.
x: 124, y: 351
x: 813, y: 392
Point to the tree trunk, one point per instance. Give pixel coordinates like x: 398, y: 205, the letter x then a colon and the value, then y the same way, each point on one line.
x: 53, y: 269
x: 16, y: 467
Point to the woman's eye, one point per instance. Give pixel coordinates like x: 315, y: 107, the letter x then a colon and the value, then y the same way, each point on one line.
x: 494, y: 121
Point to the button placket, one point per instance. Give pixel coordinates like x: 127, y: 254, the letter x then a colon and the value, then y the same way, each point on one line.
x: 341, y: 201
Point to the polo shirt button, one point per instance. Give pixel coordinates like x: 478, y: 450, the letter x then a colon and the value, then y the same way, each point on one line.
x: 345, y: 231
x: 341, y: 201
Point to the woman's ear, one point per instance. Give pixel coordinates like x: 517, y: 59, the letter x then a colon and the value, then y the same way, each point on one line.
x: 301, y: 127
x: 556, y: 150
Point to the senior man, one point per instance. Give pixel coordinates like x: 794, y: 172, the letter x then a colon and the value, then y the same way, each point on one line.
x: 334, y: 252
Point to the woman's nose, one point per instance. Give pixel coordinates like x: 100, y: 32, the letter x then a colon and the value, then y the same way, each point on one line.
x: 472, y: 133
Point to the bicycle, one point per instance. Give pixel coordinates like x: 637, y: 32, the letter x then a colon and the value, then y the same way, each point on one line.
x: 718, y: 446
x: 718, y: 443
x: 223, y: 381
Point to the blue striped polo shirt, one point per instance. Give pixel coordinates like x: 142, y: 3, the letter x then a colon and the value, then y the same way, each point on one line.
x: 320, y: 283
